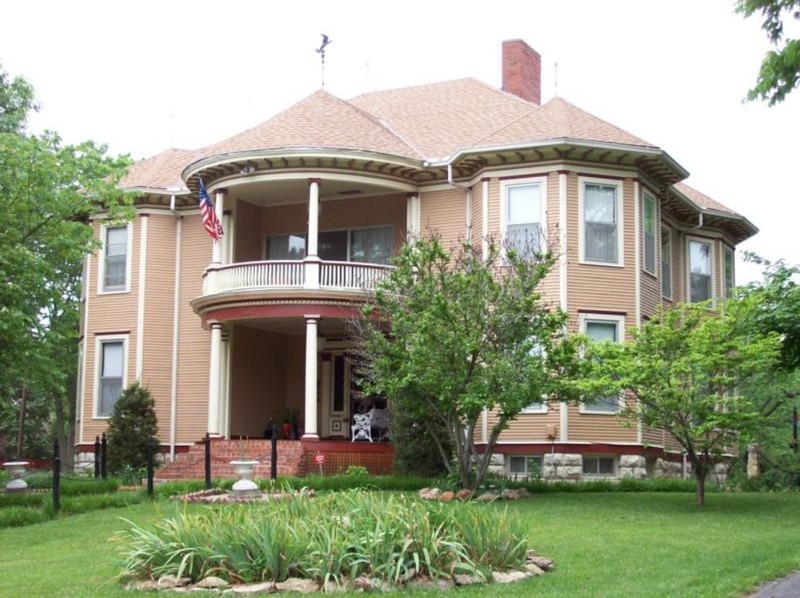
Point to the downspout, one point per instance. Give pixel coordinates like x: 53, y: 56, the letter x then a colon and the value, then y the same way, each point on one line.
x: 699, y: 222
x: 467, y: 199
x: 173, y: 409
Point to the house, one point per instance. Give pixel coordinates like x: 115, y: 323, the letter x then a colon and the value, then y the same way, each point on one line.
x: 230, y: 335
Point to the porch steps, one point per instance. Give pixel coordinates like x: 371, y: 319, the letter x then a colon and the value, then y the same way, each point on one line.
x: 295, y: 458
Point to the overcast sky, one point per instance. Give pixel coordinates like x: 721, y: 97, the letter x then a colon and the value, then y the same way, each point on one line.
x: 147, y: 75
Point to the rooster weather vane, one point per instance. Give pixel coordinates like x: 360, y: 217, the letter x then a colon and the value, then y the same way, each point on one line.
x: 321, y: 51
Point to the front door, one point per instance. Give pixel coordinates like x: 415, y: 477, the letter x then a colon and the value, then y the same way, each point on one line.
x: 336, y: 395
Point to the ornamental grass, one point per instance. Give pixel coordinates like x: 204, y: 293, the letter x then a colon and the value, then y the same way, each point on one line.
x: 335, y: 537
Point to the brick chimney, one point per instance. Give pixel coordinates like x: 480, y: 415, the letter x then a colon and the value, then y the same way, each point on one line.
x: 522, y: 70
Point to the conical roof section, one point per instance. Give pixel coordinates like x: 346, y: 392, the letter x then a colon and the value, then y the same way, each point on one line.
x: 162, y: 171
x: 320, y: 121
x: 558, y: 119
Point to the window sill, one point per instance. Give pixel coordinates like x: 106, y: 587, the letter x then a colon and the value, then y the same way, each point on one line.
x: 114, y: 292
x: 604, y: 264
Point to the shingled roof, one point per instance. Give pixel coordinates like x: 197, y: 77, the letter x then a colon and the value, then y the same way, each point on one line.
x: 162, y: 171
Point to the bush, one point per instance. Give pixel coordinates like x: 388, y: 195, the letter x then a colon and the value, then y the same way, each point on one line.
x: 132, y: 425
x: 335, y: 537
x: 415, y: 451
x: 19, y: 516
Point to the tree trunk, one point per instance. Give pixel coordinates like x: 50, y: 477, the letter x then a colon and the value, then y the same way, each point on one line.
x: 700, y: 476
x: 21, y: 429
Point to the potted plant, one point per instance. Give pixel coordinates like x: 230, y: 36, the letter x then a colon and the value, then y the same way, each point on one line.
x: 290, y: 423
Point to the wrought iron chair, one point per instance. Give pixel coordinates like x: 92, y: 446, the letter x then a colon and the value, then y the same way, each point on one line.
x: 362, y: 426
x: 381, y: 421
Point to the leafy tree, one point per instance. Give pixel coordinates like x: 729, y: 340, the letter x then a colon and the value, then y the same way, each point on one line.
x: 686, y: 368
x: 133, y: 424
x: 451, y: 335
x: 49, y: 192
x: 780, y: 69
x: 415, y: 445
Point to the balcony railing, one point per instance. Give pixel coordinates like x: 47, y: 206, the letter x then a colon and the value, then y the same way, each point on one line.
x: 286, y: 274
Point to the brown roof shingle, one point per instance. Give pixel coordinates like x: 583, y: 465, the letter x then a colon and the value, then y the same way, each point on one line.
x: 162, y: 171
x: 702, y: 200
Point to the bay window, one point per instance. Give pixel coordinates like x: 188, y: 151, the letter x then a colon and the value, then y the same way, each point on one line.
x: 115, y: 262
x: 601, y: 222
x: 666, y: 263
x: 523, y: 210
x: 700, y: 272
x: 603, y: 328
x: 649, y: 229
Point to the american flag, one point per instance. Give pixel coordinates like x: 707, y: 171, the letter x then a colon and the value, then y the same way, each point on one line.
x: 210, y: 220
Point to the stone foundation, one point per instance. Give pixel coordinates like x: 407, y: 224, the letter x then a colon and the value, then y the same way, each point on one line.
x: 562, y: 466
x: 632, y: 467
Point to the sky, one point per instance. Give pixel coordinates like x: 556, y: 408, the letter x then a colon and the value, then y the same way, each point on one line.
x: 148, y: 75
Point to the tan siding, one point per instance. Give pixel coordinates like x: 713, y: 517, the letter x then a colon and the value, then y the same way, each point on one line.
x: 652, y: 436
x: 477, y: 214
x: 158, y: 324
x: 551, y: 284
x: 364, y: 212
x: 650, y: 284
x: 528, y: 427
x: 110, y: 313
x: 249, y: 233
x: 444, y: 213
x: 258, y: 380
x: 494, y: 209
x: 195, y: 342
x: 590, y: 427
x: 679, y: 267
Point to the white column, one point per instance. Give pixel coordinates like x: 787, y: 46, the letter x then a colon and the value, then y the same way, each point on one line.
x: 311, y: 263
x: 214, y: 379
x: 485, y: 217
x: 224, y: 393
x: 413, y: 215
x: 219, y: 209
x: 310, y: 433
x: 227, y: 240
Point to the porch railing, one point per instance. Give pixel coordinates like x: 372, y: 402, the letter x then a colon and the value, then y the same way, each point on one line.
x: 287, y: 274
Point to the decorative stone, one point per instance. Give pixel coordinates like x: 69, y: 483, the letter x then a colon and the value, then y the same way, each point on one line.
x: 148, y: 585
x: 430, y: 493
x: 468, y: 580
x: 298, y: 584
x: 631, y: 461
x: 171, y: 581
x: 331, y: 587
x: 533, y: 569
x: 419, y: 583
x: 212, y: 582
x: 447, y: 496
x: 267, y: 587
x: 509, y: 576
x: 541, y: 562
x: 487, y: 497
x: 464, y: 494
x: 523, y: 493
x: 497, y: 459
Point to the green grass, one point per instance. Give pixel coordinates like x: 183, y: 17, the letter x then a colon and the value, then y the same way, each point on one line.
x: 604, y: 544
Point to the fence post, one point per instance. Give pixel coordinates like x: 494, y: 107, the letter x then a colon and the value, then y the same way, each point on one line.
x: 56, y: 478
x: 208, y: 461
x: 96, y: 457
x: 104, y: 456
x: 150, y: 468
x: 273, y: 472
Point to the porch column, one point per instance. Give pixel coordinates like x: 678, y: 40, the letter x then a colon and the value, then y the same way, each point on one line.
x: 412, y: 215
x: 217, y: 253
x: 214, y: 379
x: 225, y: 381
x: 311, y: 263
x: 310, y: 432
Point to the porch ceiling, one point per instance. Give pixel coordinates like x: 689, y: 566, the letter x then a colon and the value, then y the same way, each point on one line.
x: 274, y: 191
x: 327, y: 327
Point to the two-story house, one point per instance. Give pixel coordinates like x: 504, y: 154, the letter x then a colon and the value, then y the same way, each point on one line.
x: 229, y: 335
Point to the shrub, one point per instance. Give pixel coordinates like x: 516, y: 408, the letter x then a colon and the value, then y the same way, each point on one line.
x: 415, y: 450
x: 19, y: 516
x: 132, y: 425
x: 334, y: 537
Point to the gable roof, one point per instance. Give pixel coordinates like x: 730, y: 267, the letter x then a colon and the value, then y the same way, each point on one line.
x: 160, y: 172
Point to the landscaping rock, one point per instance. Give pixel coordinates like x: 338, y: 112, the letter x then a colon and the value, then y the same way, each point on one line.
x: 511, y: 494
x: 533, y: 569
x: 487, y: 497
x: 447, y: 496
x: 148, y: 585
x: 212, y: 582
x: 430, y: 493
x: 540, y: 561
x: 509, y: 576
x: 468, y: 580
x: 420, y: 583
x: 331, y: 587
x: 298, y: 584
x: 267, y: 587
x: 464, y: 494
x: 523, y: 493
x: 169, y: 582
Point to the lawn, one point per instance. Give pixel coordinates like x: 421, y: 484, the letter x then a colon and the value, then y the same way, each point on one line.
x: 613, y: 544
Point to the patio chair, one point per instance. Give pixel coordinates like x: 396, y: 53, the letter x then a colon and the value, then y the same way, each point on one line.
x: 381, y: 421
x: 362, y: 426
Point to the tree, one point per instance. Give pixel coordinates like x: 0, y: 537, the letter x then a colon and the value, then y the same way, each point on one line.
x: 132, y: 426
x: 685, y: 368
x: 451, y: 335
x: 49, y: 192
x: 780, y: 70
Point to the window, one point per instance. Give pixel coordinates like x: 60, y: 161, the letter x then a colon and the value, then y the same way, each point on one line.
x: 649, y: 227
x: 111, y: 353
x: 599, y: 465
x: 115, y: 263
x: 524, y: 465
x: 370, y: 245
x: 729, y: 273
x: 603, y: 329
x: 700, y: 279
x: 523, y: 217
x: 666, y: 263
x: 600, y: 220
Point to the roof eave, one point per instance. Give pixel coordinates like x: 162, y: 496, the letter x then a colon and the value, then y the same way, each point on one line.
x: 749, y: 226
x: 156, y: 190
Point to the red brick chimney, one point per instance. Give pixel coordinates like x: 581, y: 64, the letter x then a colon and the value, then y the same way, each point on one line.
x: 522, y: 70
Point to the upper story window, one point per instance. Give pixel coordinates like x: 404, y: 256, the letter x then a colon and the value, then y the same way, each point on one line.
x: 601, y: 222
x: 523, y: 216
x: 666, y: 262
x: 115, y: 259
x: 110, y: 372
x: 730, y: 275
x: 649, y: 230
x: 700, y: 270
x: 603, y: 328
x: 368, y: 245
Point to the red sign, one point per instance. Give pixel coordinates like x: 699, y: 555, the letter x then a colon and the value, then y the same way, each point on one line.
x: 319, y: 459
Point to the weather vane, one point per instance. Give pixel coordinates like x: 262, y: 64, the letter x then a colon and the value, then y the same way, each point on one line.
x: 321, y: 51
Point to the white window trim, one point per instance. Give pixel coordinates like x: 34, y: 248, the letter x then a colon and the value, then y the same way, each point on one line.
x: 613, y: 474
x: 656, y: 237
x: 620, y: 263
x: 725, y: 249
x: 504, y: 186
x: 99, y: 340
x: 101, y: 263
x: 349, y: 232
x: 536, y: 410
x: 603, y: 319
x: 669, y: 229
x: 712, y: 259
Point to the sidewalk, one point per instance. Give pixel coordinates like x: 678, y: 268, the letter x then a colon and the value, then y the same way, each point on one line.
x: 786, y: 587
